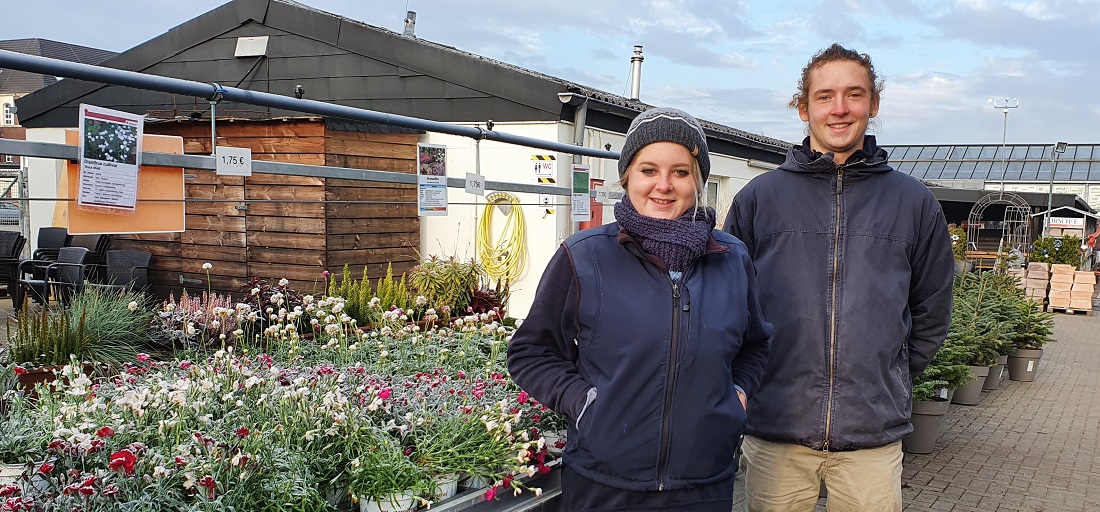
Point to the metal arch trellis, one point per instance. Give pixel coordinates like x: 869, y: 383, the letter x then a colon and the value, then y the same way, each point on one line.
x: 1016, y: 226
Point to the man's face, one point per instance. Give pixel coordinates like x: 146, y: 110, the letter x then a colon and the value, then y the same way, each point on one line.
x: 838, y: 107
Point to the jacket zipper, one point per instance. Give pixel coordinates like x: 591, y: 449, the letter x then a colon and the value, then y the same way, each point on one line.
x: 833, y: 306
x: 662, y: 467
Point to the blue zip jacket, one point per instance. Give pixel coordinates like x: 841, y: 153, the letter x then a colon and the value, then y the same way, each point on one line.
x: 855, y: 271
x: 664, y: 358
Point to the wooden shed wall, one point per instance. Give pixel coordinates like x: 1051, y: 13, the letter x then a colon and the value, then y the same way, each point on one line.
x: 276, y: 226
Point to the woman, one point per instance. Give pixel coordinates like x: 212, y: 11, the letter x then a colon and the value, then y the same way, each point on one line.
x: 647, y: 334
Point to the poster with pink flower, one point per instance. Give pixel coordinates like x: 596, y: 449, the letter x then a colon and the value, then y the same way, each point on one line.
x: 431, y: 194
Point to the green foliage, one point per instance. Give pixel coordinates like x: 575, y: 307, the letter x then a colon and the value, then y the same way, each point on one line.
x: 45, y: 338
x: 100, y: 326
x: 19, y: 433
x: 958, y: 242
x: 380, y: 468
x: 447, y: 282
x: 1064, y: 250
x: 948, y: 369
x: 358, y: 295
x: 990, y: 318
x: 1034, y: 329
x: 116, y: 324
x: 392, y: 294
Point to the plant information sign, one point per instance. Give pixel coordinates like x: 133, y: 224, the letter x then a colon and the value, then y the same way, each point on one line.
x: 582, y: 206
x: 110, y: 154
x: 431, y: 181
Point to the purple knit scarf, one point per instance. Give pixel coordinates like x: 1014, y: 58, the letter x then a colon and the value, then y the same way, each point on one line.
x: 677, y: 242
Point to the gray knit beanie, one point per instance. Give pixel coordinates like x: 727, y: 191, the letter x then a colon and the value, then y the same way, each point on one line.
x: 665, y: 125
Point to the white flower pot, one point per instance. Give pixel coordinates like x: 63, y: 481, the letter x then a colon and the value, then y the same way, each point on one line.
x: 10, y: 473
x: 445, y: 487
x: 551, y: 438
x: 474, y: 482
x: 404, y: 502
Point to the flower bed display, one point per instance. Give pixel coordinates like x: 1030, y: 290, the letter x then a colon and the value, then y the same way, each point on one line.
x: 261, y: 416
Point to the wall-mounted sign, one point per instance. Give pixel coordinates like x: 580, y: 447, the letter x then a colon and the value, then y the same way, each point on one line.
x: 1067, y: 222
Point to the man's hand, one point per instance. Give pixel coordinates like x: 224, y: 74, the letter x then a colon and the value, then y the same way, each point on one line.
x: 744, y: 400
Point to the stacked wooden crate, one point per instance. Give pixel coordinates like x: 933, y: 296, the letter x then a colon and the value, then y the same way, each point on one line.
x: 1020, y: 275
x: 1084, y: 287
x: 1061, y: 285
x: 1037, y: 282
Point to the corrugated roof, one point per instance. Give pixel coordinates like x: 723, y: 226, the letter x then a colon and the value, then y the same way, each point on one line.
x: 596, y: 94
x: 22, y: 82
x: 330, y: 123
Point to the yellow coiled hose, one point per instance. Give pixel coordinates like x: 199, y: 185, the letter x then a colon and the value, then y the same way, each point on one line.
x: 504, y: 260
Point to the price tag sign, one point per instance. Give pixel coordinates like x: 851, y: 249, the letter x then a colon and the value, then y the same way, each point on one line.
x: 475, y: 184
x: 602, y: 195
x: 234, y: 161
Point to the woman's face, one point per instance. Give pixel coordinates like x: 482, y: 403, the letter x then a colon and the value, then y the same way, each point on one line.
x: 660, y: 181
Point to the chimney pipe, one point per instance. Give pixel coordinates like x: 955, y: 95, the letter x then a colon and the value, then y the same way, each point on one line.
x: 410, y: 23
x: 636, y: 73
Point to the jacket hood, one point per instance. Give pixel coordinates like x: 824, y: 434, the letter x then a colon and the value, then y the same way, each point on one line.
x: 870, y: 160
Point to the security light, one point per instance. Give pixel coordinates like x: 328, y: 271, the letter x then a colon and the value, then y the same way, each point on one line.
x: 1060, y: 147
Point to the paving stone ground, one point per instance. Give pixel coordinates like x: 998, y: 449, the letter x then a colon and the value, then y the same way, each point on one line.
x: 1026, y: 446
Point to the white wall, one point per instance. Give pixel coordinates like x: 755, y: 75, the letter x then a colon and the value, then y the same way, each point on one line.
x: 42, y: 179
x: 454, y: 235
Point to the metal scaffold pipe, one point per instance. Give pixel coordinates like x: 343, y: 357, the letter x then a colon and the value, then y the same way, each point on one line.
x: 211, y: 91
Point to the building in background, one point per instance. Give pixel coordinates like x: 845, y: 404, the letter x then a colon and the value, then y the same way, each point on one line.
x: 291, y: 49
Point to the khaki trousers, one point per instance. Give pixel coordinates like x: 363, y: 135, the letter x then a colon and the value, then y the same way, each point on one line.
x: 785, y: 477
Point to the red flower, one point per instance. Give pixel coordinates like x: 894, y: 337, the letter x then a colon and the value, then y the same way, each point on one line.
x: 123, y: 460
x: 210, y: 485
x: 242, y: 432
x: 522, y: 398
x: 142, y: 357
x: 491, y: 494
x: 45, y: 468
x: 9, y: 490
x: 180, y: 461
x: 385, y: 393
x: 105, y: 432
x: 111, y: 490
x: 19, y: 370
x: 185, y: 365
x: 86, y: 491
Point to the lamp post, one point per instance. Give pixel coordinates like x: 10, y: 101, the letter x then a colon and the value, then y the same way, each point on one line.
x: 1059, y: 148
x: 1005, y: 104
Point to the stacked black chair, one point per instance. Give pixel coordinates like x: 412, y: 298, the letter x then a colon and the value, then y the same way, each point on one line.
x: 97, y: 246
x: 50, y: 240
x: 61, y: 278
x: 126, y: 270
x: 11, y: 251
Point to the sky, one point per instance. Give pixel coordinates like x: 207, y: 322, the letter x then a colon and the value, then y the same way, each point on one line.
x: 949, y: 67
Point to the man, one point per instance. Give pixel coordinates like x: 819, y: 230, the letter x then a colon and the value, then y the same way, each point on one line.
x: 855, y: 270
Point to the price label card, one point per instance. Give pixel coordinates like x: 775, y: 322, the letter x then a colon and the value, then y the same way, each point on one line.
x: 475, y: 184
x: 234, y: 161
x: 602, y: 195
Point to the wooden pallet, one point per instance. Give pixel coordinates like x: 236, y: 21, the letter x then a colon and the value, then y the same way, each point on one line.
x: 1070, y: 311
